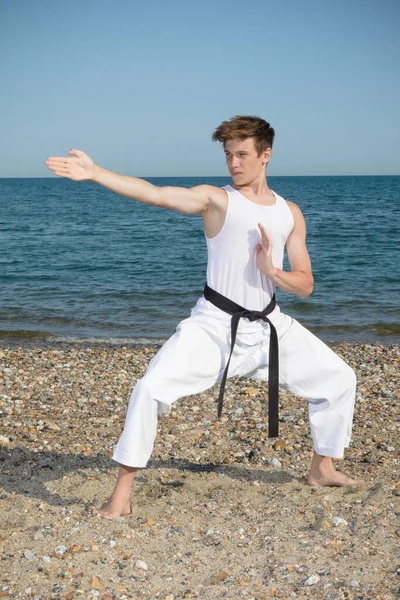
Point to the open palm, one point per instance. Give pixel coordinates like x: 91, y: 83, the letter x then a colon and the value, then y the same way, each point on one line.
x: 264, y: 252
x: 78, y: 166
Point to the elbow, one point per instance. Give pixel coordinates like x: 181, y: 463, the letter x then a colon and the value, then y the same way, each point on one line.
x: 159, y: 198
x: 308, y: 288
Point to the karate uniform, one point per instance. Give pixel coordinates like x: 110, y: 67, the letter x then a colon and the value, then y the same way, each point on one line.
x: 194, y: 358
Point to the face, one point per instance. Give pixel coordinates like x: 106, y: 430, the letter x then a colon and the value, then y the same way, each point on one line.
x: 244, y: 165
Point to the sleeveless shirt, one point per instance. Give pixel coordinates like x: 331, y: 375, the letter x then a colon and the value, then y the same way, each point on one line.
x: 231, y: 267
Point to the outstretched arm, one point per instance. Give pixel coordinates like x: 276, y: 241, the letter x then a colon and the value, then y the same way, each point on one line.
x: 299, y: 280
x: 78, y: 166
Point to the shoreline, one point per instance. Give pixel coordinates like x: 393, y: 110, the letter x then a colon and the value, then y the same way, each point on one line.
x: 221, y: 511
x: 26, y: 343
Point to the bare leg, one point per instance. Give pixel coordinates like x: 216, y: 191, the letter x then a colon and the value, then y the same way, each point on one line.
x: 118, y: 504
x: 322, y: 472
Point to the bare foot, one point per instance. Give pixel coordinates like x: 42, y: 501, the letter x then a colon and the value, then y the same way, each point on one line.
x: 114, y: 508
x: 334, y: 478
x: 118, y: 504
x: 323, y: 473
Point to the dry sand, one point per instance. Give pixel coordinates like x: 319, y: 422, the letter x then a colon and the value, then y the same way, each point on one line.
x: 220, y: 512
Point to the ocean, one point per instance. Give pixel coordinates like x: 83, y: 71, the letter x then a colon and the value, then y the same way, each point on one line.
x: 81, y: 264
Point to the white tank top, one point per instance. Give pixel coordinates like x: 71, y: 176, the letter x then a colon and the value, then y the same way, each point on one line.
x: 231, y: 268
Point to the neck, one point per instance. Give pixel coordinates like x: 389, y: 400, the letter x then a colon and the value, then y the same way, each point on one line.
x: 259, y: 186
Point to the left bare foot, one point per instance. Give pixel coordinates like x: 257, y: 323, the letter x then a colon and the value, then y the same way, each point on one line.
x: 323, y: 473
x: 334, y: 478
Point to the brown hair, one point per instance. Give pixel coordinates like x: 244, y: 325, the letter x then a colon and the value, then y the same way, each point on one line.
x: 241, y: 128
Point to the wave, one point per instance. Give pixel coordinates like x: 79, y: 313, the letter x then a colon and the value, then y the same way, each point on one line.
x: 46, y: 337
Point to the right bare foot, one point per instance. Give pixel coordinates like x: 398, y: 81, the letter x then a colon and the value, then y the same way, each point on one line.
x: 118, y: 504
x: 114, y: 508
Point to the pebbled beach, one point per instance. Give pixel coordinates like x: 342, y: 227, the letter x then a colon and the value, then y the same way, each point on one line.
x: 221, y: 511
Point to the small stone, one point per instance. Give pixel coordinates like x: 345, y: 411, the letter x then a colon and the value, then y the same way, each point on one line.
x: 95, y: 583
x: 275, y: 463
x: 4, y: 441
x: 38, y: 535
x: 46, y: 559
x: 29, y: 555
x: 322, y: 524
x: 60, y: 550
x: 279, y: 445
x: 354, y: 583
x: 113, y: 543
x: 312, y: 580
x: 150, y: 521
x: 251, y: 391
x: 140, y: 564
x: 339, y: 521
x: 219, y: 577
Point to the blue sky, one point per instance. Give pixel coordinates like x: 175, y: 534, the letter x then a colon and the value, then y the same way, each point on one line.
x: 140, y: 86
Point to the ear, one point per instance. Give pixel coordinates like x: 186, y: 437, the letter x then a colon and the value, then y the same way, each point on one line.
x: 267, y: 155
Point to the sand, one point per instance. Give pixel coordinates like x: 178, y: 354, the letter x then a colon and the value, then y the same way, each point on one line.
x: 221, y: 511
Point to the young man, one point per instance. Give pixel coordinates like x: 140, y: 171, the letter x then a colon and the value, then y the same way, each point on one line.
x: 247, y: 226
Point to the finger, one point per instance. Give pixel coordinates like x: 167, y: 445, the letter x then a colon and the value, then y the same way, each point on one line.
x: 57, y: 158
x: 55, y: 163
x: 61, y: 163
x: 75, y: 152
x: 264, y: 234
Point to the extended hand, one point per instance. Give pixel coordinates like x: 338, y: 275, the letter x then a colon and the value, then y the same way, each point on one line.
x: 78, y: 166
x: 264, y: 253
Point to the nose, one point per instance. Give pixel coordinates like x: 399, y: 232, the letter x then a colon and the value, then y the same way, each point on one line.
x: 234, y: 161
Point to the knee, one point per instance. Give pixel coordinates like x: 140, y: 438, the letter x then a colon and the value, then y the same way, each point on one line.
x: 151, y: 391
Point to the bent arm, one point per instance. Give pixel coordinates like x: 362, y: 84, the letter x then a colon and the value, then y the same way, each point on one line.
x: 299, y: 280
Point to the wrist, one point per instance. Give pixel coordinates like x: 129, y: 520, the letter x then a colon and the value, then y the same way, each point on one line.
x: 272, y: 273
x: 96, y: 174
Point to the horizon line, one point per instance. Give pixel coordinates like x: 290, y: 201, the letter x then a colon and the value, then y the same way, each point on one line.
x: 211, y: 176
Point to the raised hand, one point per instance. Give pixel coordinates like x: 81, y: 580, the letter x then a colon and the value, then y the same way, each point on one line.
x: 78, y: 166
x: 264, y: 253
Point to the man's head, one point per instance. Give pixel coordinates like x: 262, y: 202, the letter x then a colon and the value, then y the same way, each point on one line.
x: 248, y: 146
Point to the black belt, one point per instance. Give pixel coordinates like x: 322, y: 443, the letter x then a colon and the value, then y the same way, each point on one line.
x: 238, y: 312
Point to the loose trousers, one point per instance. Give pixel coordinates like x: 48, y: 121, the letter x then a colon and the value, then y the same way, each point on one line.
x: 194, y: 358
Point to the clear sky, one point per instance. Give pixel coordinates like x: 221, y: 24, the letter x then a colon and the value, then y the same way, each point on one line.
x: 141, y: 85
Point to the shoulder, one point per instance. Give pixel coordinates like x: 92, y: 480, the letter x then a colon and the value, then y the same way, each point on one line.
x: 296, y: 211
x: 294, y: 208
x: 216, y: 196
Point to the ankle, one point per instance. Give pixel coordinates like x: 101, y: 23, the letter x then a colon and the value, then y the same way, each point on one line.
x: 322, y: 463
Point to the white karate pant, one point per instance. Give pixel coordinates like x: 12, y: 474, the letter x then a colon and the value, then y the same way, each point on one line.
x: 194, y: 358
